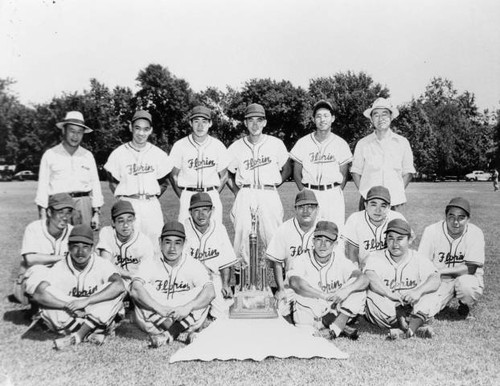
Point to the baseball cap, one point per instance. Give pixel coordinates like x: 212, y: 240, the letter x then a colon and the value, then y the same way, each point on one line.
x: 199, y: 200
x: 399, y: 226
x: 255, y: 110
x: 305, y: 197
x: 141, y: 114
x: 81, y: 233
x: 61, y: 200
x: 74, y: 118
x: 200, y: 111
x: 322, y: 104
x: 327, y: 229
x: 382, y: 103
x: 173, y: 228
x: 121, y: 207
x: 459, y: 202
x: 380, y: 192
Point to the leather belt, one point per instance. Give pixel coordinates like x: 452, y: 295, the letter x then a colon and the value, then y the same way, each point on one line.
x: 200, y: 189
x: 140, y: 196
x: 79, y: 194
x: 267, y: 187
x: 322, y: 187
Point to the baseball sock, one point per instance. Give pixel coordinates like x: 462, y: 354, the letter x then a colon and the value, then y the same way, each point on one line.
x: 339, y: 324
x: 176, y: 328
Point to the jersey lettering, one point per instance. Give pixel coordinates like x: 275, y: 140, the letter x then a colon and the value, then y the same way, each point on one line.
x: 330, y: 287
x: 374, y: 245
x: 123, y: 262
x: 297, y: 250
x: 136, y: 169
x: 450, y: 260
x: 395, y: 285
x: 318, y: 158
x: 254, y: 163
x: 167, y: 287
x: 207, y: 254
x: 197, y: 164
x: 83, y: 293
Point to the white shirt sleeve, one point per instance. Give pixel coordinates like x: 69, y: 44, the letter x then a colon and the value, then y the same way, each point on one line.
x: 42, y: 193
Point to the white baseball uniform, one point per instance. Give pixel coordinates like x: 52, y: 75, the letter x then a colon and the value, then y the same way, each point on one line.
x: 445, y: 252
x: 216, y: 252
x: 126, y: 255
x: 199, y: 167
x: 258, y: 171
x: 66, y: 283
x: 171, y: 286
x: 76, y: 174
x: 37, y: 239
x: 327, y: 278
x: 321, y: 162
x: 138, y: 172
x: 407, y: 275
x: 361, y: 233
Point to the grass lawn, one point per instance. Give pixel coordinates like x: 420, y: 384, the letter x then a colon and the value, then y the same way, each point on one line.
x: 463, y: 352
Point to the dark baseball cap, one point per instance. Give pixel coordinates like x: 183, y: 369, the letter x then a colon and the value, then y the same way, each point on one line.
x: 81, y: 233
x: 399, y: 226
x: 200, y: 111
x: 305, y: 197
x: 142, y: 114
x: 200, y: 200
x: 327, y: 229
x: 255, y: 110
x: 459, y: 202
x: 61, y: 200
x: 322, y: 104
x: 173, y: 228
x: 380, y: 192
x: 121, y: 207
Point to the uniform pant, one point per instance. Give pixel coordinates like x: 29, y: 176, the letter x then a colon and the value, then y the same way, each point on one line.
x: 27, y: 281
x: 99, y: 315
x: 149, y: 321
x: 148, y: 217
x: 269, y: 213
x: 185, y: 199
x: 331, y: 205
x: 466, y: 288
x: 83, y: 211
x: 309, y: 311
x: 382, y: 311
x: 219, y: 308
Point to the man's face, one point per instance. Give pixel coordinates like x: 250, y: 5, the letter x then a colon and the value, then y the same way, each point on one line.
x: 377, y: 210
x: 171, y: 248
x: 306, y: 214
x: 200, y: 127
x: 456, y: 220
x: 323, y: 119
x: 59, y: 218
x: 255, y: 125
x: 73, y: 135
x: 201, y: 216
x: 141, y: 130
x: 381, y: 119
x: 124, y: 225
x: 80, y: 254
x: 323, y: 246
x: 397, y: 244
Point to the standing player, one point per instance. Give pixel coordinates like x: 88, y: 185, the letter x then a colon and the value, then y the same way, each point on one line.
x: 172, y: 293
x: 329, y: 288
x: 207, y: 241
x: 383, y: 157
x: 456, y: 247
x: 121, y: 244
x: 45, y: 241
x: 137, y: 172
x: 292, y: 239
x: 81, y: 294
x: 401, y: 281
x: 364, y: 231
x: 321, y: 164
x: 200, y: 164
x: 69, y: 168
x: 259, y: 164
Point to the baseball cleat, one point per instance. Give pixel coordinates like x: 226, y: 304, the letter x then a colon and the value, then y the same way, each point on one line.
x: 425, y: 332
x: 395, y: 333
x: 348, y: 332
x: 160, y: 339
x: 65, y: 342
x: 96, y: 338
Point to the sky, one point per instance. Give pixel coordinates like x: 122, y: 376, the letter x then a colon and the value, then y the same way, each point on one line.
x: 50, y: 47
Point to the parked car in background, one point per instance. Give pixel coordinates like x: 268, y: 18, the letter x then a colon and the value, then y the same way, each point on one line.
x: 25, y: 175
x: 478, y: 175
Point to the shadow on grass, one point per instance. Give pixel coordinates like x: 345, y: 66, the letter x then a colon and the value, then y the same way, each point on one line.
x: 18, y: 317
x: 130, y: 331
x: 450, y: 314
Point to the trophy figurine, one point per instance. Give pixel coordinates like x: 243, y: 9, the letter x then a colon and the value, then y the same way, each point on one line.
x: 253, y: 299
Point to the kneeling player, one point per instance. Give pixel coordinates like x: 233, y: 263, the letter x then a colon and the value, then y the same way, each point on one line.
x: 80, y: 295
x: 329, y: 288
x: 456, y: 247
x: 172, y: 292
x: 401, y: 282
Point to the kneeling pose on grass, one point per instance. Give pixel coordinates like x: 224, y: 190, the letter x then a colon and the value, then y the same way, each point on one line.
x: 402, y: 283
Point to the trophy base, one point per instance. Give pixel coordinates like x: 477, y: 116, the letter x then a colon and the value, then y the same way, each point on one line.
x: 253, y: 304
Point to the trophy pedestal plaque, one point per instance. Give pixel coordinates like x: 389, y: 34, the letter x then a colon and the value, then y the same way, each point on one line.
x: 254, y: 299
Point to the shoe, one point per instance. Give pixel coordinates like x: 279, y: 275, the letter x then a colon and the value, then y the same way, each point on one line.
x: 463, y: 309
x: 97, y: 338
x: 160, y: 339
x: 395, y: 333
x: 408, y: 334
x: 348, y: 332
x: 425, y: 332
x: 65, y: 342
x: 401, y: 318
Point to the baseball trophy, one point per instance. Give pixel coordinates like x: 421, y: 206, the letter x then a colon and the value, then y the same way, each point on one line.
x: 253, y: 299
